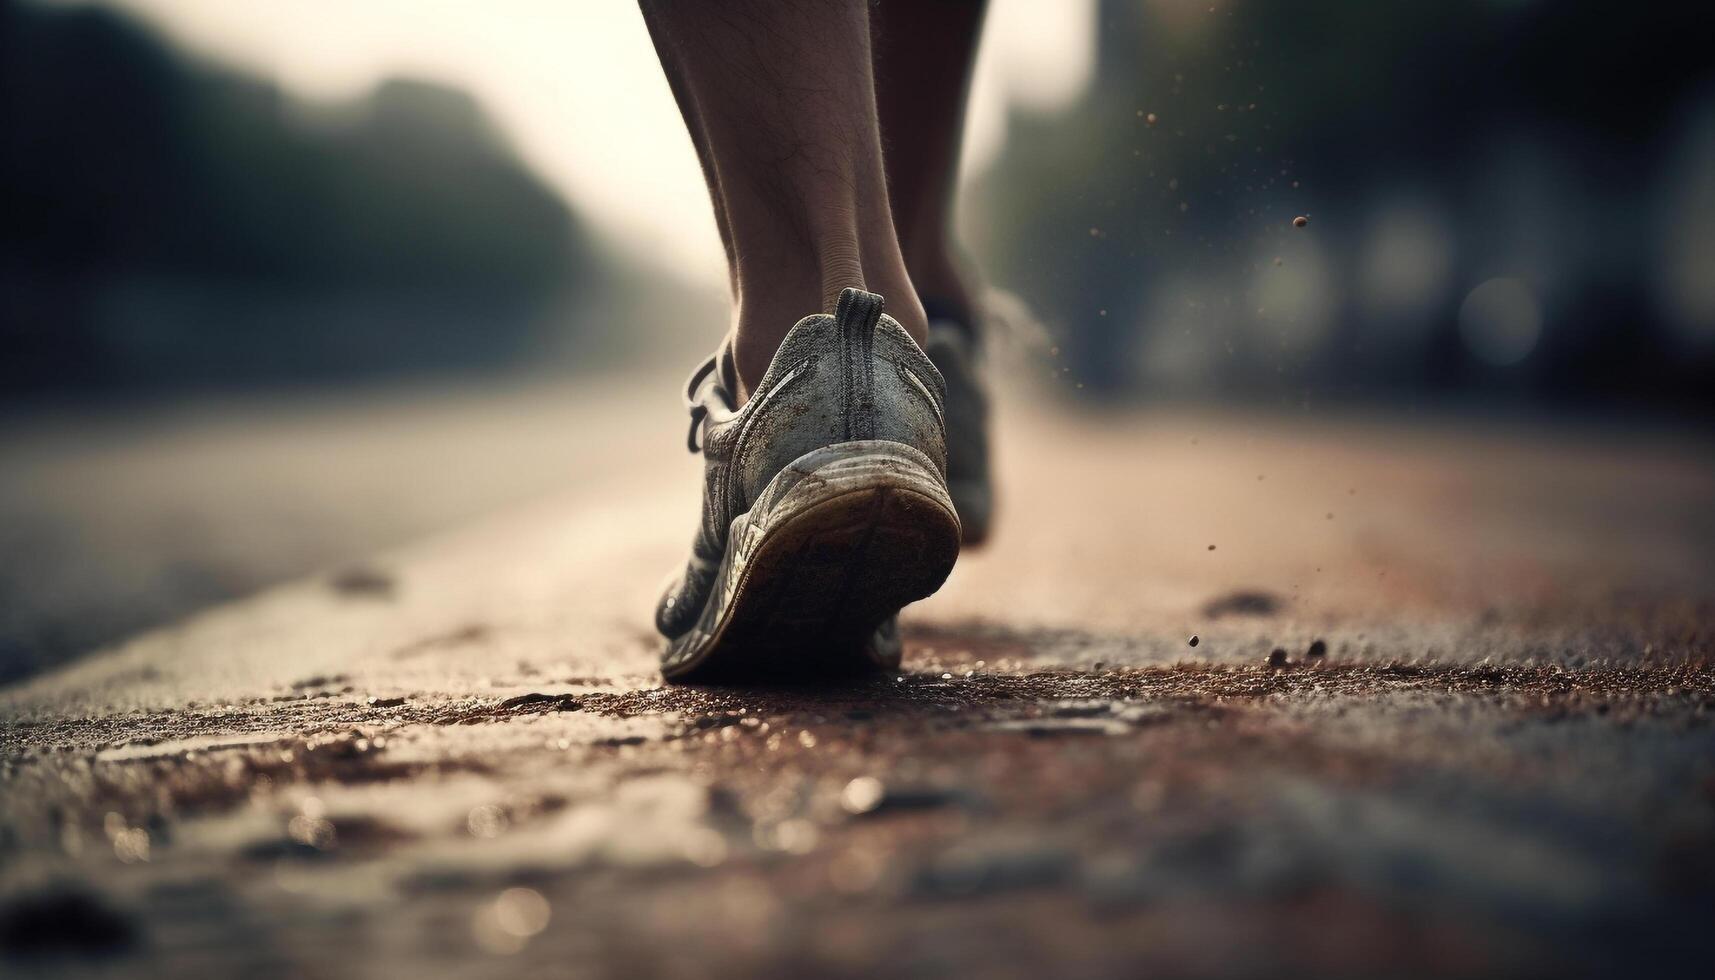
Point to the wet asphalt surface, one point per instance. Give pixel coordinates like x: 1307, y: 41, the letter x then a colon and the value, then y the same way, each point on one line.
x: 1451, y: 712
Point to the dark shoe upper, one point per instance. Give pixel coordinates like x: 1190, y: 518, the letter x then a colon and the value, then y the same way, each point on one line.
x: 851, y: 376
x: 956, y: 348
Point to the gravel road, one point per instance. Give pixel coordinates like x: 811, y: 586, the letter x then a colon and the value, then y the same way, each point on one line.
x: 1451, y: 712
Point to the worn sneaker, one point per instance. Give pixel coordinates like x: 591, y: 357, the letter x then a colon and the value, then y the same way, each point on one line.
x: 825, y: 504
x: 956, y: 349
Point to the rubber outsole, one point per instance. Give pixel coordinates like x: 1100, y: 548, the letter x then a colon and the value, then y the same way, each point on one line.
x: 839, y: 542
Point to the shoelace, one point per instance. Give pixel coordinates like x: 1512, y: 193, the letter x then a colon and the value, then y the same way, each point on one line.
x: 698, y: 406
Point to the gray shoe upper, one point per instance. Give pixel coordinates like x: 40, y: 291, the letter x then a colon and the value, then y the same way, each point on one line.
x: 854, y: 375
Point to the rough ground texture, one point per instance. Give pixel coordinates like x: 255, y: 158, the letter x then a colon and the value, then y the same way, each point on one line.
x: 459, y: 761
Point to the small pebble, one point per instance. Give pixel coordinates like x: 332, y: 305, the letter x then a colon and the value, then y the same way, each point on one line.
x: 1318, y: 648
x: 561, y: 702
x: 1150, y: 119
x: 1277, y: 657
x: 1194, y: 639
x: 1300, y: 221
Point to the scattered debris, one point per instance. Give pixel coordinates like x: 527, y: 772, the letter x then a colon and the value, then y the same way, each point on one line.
x: 966, y: 873
x: 384, y: 702
x: 1081, y: 709
x: 470, y: 633
x: 869, y: 796
x: 1050, y: 727
x: 511, y: 920
x: 862, y: 795
x: 555, y: 702
x: 487, y: 821
x: 363, y: 830
x: 341, y: 745
x: 1244, y: 602
x: 1277, y: 657
x: 363, y: 582
x: 63, y: 919
x: 1318, y: 649
x: 1138, y: 715
x: 618, y: 741
x: 154, y: 750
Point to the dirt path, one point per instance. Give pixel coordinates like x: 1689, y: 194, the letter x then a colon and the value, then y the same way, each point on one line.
x: 458, y: 759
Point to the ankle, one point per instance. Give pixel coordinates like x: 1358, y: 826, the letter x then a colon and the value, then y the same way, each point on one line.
x: 762, y: 324
x: 941, y: 279
x: 772, y: 298
x: 903, y: 304
x: 783, y: 274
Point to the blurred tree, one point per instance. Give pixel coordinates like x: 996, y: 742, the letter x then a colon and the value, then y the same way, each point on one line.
x: 171, y: 223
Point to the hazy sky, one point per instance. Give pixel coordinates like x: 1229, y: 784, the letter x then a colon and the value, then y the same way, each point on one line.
x: 575, y: 85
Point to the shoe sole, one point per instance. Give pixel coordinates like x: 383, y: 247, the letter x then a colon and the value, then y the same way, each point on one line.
x: 838, y: 541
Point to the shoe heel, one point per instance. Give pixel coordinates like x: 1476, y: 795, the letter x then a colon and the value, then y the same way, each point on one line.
x: 839, y: 540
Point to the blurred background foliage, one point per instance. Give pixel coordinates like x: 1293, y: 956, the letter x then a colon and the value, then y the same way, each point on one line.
x: 173, y: 224
x: 1563, y: 147
x: 1508, y: 203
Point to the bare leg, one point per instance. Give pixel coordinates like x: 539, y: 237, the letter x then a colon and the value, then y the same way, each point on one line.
x: 779, y: 95
x: 687, y: 102
x: 924, y: 51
